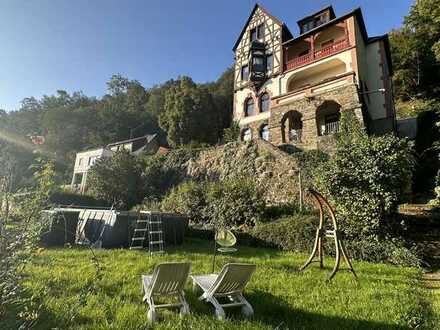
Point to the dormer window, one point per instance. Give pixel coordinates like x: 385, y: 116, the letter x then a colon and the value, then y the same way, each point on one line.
x: 321, y: 17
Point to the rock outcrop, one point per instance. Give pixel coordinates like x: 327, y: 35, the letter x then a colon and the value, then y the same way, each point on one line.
x: 274, y: 170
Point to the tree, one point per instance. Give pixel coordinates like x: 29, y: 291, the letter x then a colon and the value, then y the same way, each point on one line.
x: 117, y: 179
x: 71, y: 122
x: 222, y: 91
x: 414, y: 50
x: 189, y: 114
x: 424, y: 19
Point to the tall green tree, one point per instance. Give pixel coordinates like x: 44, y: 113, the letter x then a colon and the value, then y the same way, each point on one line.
x: 415, y: 52
x: 222, y: 92
x: 189, y: 114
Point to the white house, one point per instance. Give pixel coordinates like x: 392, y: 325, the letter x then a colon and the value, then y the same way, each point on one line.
x: 86, y: 159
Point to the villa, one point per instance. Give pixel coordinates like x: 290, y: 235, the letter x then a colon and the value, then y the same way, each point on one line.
x: 291, y: 90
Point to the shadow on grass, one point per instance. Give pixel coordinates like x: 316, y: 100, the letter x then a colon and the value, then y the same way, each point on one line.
x: 275, y: 312
x: 21, y: 315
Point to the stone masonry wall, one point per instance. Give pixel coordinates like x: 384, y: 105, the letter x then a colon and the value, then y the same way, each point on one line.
x: 346, y: 96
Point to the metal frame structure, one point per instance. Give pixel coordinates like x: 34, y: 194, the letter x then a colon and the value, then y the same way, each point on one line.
x: 322, y: 233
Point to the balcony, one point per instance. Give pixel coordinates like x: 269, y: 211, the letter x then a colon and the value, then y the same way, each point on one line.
x: 318, y: 54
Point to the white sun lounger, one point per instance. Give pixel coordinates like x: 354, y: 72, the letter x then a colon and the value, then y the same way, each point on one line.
x: 168, y: 279
x: 229, y: 285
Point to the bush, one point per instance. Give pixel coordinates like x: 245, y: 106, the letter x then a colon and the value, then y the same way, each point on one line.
x: 160, y: 173
x: 294, y: 233
x: 188, y: 198
x: 72, y: 198
x: 308, y: 162
x: 234, y: 202
x: 391, y: 250
x: 229, y: 203
x: 232, y: 133
x: 297, y: 233
x: 366, y: 178
x: 117, y: 179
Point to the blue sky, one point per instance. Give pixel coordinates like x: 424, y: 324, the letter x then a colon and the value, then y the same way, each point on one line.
x: 75, y: 45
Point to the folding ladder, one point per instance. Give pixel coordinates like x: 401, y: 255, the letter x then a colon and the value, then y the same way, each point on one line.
x: 148, y: 226
x: 155, y: 234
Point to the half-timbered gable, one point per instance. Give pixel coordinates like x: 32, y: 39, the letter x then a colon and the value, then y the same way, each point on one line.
x: 267, y: 29
x: 292, y: 90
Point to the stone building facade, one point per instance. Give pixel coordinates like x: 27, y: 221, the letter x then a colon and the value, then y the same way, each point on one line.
x: 292, y: 90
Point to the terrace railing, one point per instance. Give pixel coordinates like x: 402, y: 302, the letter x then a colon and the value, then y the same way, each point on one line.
x: 318, y: 54
x: 331, y: 128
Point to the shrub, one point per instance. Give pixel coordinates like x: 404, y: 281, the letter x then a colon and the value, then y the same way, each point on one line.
x: 234, y: 202
x: 366, y: 178
x: 308, y: 162
x: 297, y: 233
x: 160, y: 173
x: 117, y: 179
x: 188, y: 198
x: 293, y: 233
x: 19, y: 241
x: 72, y: 198
x: 391, y: 250
x: 229, y: 203
x: 232, y: 133
x: 157, y: 178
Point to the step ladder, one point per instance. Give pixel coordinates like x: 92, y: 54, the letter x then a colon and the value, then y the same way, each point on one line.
x: 149, y: 231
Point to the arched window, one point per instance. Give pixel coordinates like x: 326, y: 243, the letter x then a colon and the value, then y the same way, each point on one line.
x: 246, y: 134
x: 264, y: 102
x: 264, y: 132
x: 249, y: 107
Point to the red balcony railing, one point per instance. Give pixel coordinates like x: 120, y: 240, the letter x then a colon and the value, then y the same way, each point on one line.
x: 317, y: 54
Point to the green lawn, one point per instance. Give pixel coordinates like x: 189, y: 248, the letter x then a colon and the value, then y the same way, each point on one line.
x: 386, y: 296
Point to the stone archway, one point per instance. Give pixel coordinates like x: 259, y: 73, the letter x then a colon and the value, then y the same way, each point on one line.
x: 291, y: 127
x: 328, y: 115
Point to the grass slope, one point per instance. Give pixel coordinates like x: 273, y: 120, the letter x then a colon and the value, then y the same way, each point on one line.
x: 387, y: 297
